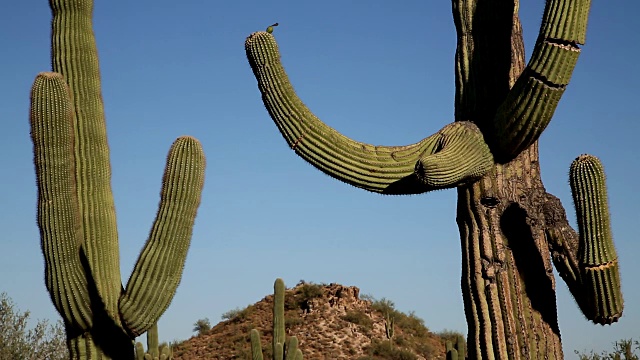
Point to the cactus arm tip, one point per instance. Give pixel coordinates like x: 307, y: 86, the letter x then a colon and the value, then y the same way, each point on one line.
x: 597, y: 254
x: 586, y: 260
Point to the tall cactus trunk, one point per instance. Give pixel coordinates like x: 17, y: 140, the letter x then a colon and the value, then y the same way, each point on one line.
x: 501, y: 217
x: 76, y: 214
x: 507, y: 282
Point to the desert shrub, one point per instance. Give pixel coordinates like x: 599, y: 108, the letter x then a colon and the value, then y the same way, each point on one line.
x: 367, y: 297
x: 384, y: 306
x: 230, y: 314
x: 202, y: 326
x: 359, y: 318
x: 291, y: 321
x: 303, y: 296
x: 625, y: 349
x: 44, y: 341
x: 449, y: 335
x: 309, y: 291
x: 411, y: 324
x: 237, y: 314
x: 385, y: 350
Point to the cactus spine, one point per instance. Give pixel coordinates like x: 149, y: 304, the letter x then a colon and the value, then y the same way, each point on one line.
x: 76, y: 214
x: 283, y: 348
x: 511, y: 229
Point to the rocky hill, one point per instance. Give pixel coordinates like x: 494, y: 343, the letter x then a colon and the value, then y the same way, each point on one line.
x: 330, y: 322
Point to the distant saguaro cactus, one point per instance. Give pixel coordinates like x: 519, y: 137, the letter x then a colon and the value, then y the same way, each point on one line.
x: 283, y: 348
x: 510, y: 227
x: 155, y: 351
x: 76, y: 214
x: 456, y: 350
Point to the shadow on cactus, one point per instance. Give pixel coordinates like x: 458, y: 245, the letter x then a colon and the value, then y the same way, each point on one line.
x: 76, y: 215
x: 511, y: 228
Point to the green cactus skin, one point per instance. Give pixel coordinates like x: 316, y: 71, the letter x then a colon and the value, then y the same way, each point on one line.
x: 455, y: 351
x: 139, y: 351
x: 597, y: 254
x: 452, y: 354
x: 256, y: 346
x: 154, y: 350
x: 454, y: 156
x: 290, y: 351
x: 530, y: 104
x: 292, y: 348
x: 76, y: 214
x: 389, y: 327
x: 278, y: 351
x: 152, y: 341
x: 511, y: 229
x: 279, y: 334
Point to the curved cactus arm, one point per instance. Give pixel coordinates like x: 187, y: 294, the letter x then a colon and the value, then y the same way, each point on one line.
x: 460, y: 157
x: 586, y: 261
x: 382, y: 169
x: 58, y: 214
x: 74, y: 55
x: 597, y: 254
x: 528, y: 108
x: 158, y: 270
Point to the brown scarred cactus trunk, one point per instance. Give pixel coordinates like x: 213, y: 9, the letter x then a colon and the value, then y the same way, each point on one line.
x: 507, y: 282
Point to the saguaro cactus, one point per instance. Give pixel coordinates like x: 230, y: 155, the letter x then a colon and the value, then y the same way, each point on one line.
x: 511, y: 228
x: 76, y: 213
x: 283, y: 348
x: 155, y: 351
x: 455, y: 350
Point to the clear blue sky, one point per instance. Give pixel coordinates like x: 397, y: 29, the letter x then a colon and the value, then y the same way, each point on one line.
x: 378, y: 71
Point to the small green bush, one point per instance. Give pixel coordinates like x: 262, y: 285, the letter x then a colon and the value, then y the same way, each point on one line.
x: 384, y: 306
x: 359, y: 318
x: 237, y: 314
x: 17, y: 341
x: 202, y: 326
x: 291, y: 321
x: 411, y: 324
x: 386, y: 350
x: 625, y: 349
x: 309, y: 291
x: 449, y: 335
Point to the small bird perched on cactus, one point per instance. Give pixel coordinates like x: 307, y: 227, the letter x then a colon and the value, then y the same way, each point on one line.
x: 270, y: 28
